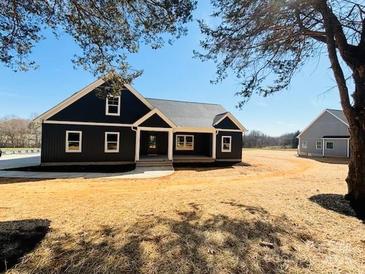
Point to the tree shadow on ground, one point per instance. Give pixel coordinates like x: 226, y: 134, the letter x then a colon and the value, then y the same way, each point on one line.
x: 187, y: 242
x: 336, y: 203
x: 5, y: 181
x: 17, y: 238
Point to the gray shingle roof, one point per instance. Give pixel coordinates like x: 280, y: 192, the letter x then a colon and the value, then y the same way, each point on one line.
x: 339, y: 114
x: 188, y: 114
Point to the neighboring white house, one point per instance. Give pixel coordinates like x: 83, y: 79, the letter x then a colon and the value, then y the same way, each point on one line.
x: 327, y: 136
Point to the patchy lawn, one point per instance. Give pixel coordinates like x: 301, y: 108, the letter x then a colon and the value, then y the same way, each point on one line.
x: 274, y: 214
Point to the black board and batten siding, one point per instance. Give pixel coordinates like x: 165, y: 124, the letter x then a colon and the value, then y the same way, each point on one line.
x: 93, y: 144
x: 236, y: 147
x: 202, y: 144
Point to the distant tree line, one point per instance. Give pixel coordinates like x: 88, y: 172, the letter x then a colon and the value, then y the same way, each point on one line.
x: 18, y: 132
x: 258, y: 139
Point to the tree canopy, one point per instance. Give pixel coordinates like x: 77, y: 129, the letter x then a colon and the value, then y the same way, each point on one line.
x: 264, y: 42
x: 106, y: 31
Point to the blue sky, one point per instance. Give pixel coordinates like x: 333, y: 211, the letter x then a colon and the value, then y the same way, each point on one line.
x: 170, y: 73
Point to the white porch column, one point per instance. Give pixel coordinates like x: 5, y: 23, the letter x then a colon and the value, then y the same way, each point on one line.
x: 214, y: 145
x: 138, y: 139
x: 322, y: 147
x: 170, y: 145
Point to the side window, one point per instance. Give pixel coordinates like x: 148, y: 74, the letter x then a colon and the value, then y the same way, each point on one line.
x: 111, y: 142
x: 112, y: 107
x: 226, y: 143
x: 319, y: 144
x: 73, y: 141
x: 330, y: 145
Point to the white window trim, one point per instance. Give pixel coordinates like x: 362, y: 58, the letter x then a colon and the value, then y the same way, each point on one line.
x: 106, y: 150
x: 230, y: 144
x: 184, y: 148
x: 321, y: 144
x: 332, y: 147
x: 66, y: 143
x: 107, y: 106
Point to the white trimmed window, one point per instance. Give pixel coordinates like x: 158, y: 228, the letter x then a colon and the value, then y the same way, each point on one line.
x: 319, y: 144
x: 226, y: 143
x: 111, y: 142
x: 330, y: 145
x: 184, y: 142
x: 112, y: 106
x: 73, y: 141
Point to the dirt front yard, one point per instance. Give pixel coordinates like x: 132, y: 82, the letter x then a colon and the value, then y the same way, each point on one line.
x: 274, y: 214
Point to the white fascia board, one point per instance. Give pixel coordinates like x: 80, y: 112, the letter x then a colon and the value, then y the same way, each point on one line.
x: 338, y: 118
x: 233, y: 119
x: 150, y: 114
x: 139, y: 96
x: 315, y: 120
x: 73, y: 98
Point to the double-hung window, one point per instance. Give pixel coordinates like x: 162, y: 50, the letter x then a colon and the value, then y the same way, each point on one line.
x: 319, y: 144
x: 73, y: 141
x: 111, y: 142
x: 112, y: 106
x: 184, y: 142
x: 226, y: 143
x: 330, y: 145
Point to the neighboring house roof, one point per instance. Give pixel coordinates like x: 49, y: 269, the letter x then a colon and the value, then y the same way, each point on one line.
x: 188, y: 114
x: 338, y: 114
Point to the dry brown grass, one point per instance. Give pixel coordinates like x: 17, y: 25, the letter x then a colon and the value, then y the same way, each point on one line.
x: 281, y: 214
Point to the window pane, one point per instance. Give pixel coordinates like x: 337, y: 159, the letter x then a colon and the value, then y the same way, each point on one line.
x: 226, y: 140
x: 330, y: 145
x: 189, y: 139
x: 74, y: 136
x: 152, y: 141
x: 112, y: 146
x: 226, y: 146
x: 73, y: 145
x: 112, y: 137
x: 113, y: 101
x: 180, y: 139
x: 112, y: 109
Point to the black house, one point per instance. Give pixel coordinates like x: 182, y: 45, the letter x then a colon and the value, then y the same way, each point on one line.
x: 86, y: 129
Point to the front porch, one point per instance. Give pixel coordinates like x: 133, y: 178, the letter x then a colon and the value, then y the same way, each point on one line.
x: 164, y: 145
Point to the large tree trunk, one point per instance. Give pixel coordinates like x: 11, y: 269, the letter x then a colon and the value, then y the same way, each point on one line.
x: 356, y: 175
x: 356, y: 116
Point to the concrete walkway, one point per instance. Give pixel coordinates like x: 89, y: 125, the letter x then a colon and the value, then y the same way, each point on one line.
x: 12, y: 161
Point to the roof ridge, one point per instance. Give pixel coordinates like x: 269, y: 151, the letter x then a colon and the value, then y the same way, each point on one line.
x: 334, y: 109
x: 182, y: 101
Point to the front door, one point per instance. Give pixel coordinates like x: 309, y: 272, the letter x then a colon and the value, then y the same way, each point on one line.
x: 152, y: 144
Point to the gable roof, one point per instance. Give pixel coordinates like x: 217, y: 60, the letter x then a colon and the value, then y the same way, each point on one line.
x: 220, y: 117
x: 150, y: 114
x: 81, y: 93
x: 188, y: 114
x: 338, y: 114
